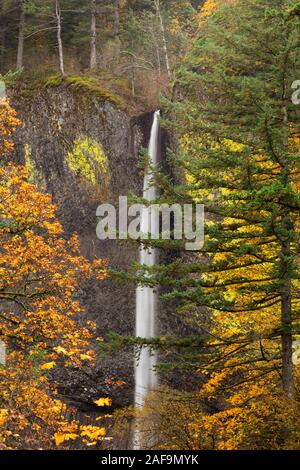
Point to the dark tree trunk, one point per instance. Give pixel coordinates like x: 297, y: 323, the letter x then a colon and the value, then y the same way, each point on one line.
x: 116, y: 17
x: 20, y: 53
x: 288, y: 383
x: 286, y: 315
x: 93, y: 57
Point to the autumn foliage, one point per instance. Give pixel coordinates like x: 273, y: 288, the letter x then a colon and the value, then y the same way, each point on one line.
x: 40, y: 272
x: 8, y: 124
x: 239, y: 152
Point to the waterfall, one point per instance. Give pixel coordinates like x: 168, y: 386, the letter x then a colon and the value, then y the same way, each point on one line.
x: 146, y: 297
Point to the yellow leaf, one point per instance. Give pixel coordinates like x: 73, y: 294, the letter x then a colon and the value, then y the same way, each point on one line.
x: 92, y: 432
x: 62, y: 437
x: 103, y: 402
x: 3, y: 416
x: 85, y: 357
x: 59, y: 350
x: 48, y: 365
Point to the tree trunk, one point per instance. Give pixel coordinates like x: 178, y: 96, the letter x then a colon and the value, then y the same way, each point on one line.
x: 116, y: 17
x: 286, y: 305
x: 156, y: 44
x: 288, y: 383
x: 163, y: 33
x: 2, y: 48
x: 93, y: 58
x: 59, y: 39
x: 133, y: 80
x: 286, y: 336
x: 20, y: 52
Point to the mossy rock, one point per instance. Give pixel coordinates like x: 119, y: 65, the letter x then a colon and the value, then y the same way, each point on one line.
x: 30, y: 82
x: 53, y: 80
x: 93, y: 86
x: 87, y: 84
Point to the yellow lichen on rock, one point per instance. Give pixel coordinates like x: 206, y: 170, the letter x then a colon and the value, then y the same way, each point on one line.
x: 34, y: 175
x: 88, y: 160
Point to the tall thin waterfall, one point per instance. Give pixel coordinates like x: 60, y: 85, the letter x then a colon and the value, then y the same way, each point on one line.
x: 146, y: 297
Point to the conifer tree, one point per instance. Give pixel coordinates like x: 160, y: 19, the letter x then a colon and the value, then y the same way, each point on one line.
x: 240, y: 154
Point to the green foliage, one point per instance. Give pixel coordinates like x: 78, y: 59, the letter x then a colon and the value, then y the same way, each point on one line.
x: 52, y: 80
x: 128, y: 41
x: 10, y: 77
x: 116, y: 342
x: 239, y: 154
x: 186, y: 349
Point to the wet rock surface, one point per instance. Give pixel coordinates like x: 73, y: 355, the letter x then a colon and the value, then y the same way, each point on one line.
x: 52, y: 121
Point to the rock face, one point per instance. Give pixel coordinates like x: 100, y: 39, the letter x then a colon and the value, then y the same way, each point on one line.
x: 54, y: 120
x: 85, y: 152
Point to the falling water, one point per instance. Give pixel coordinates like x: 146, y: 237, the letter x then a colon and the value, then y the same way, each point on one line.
x: 146, y: 297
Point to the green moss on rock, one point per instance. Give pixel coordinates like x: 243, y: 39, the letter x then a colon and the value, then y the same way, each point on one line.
x: 53, y: 80
x: 30, y: 82
x: 93, y: 86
